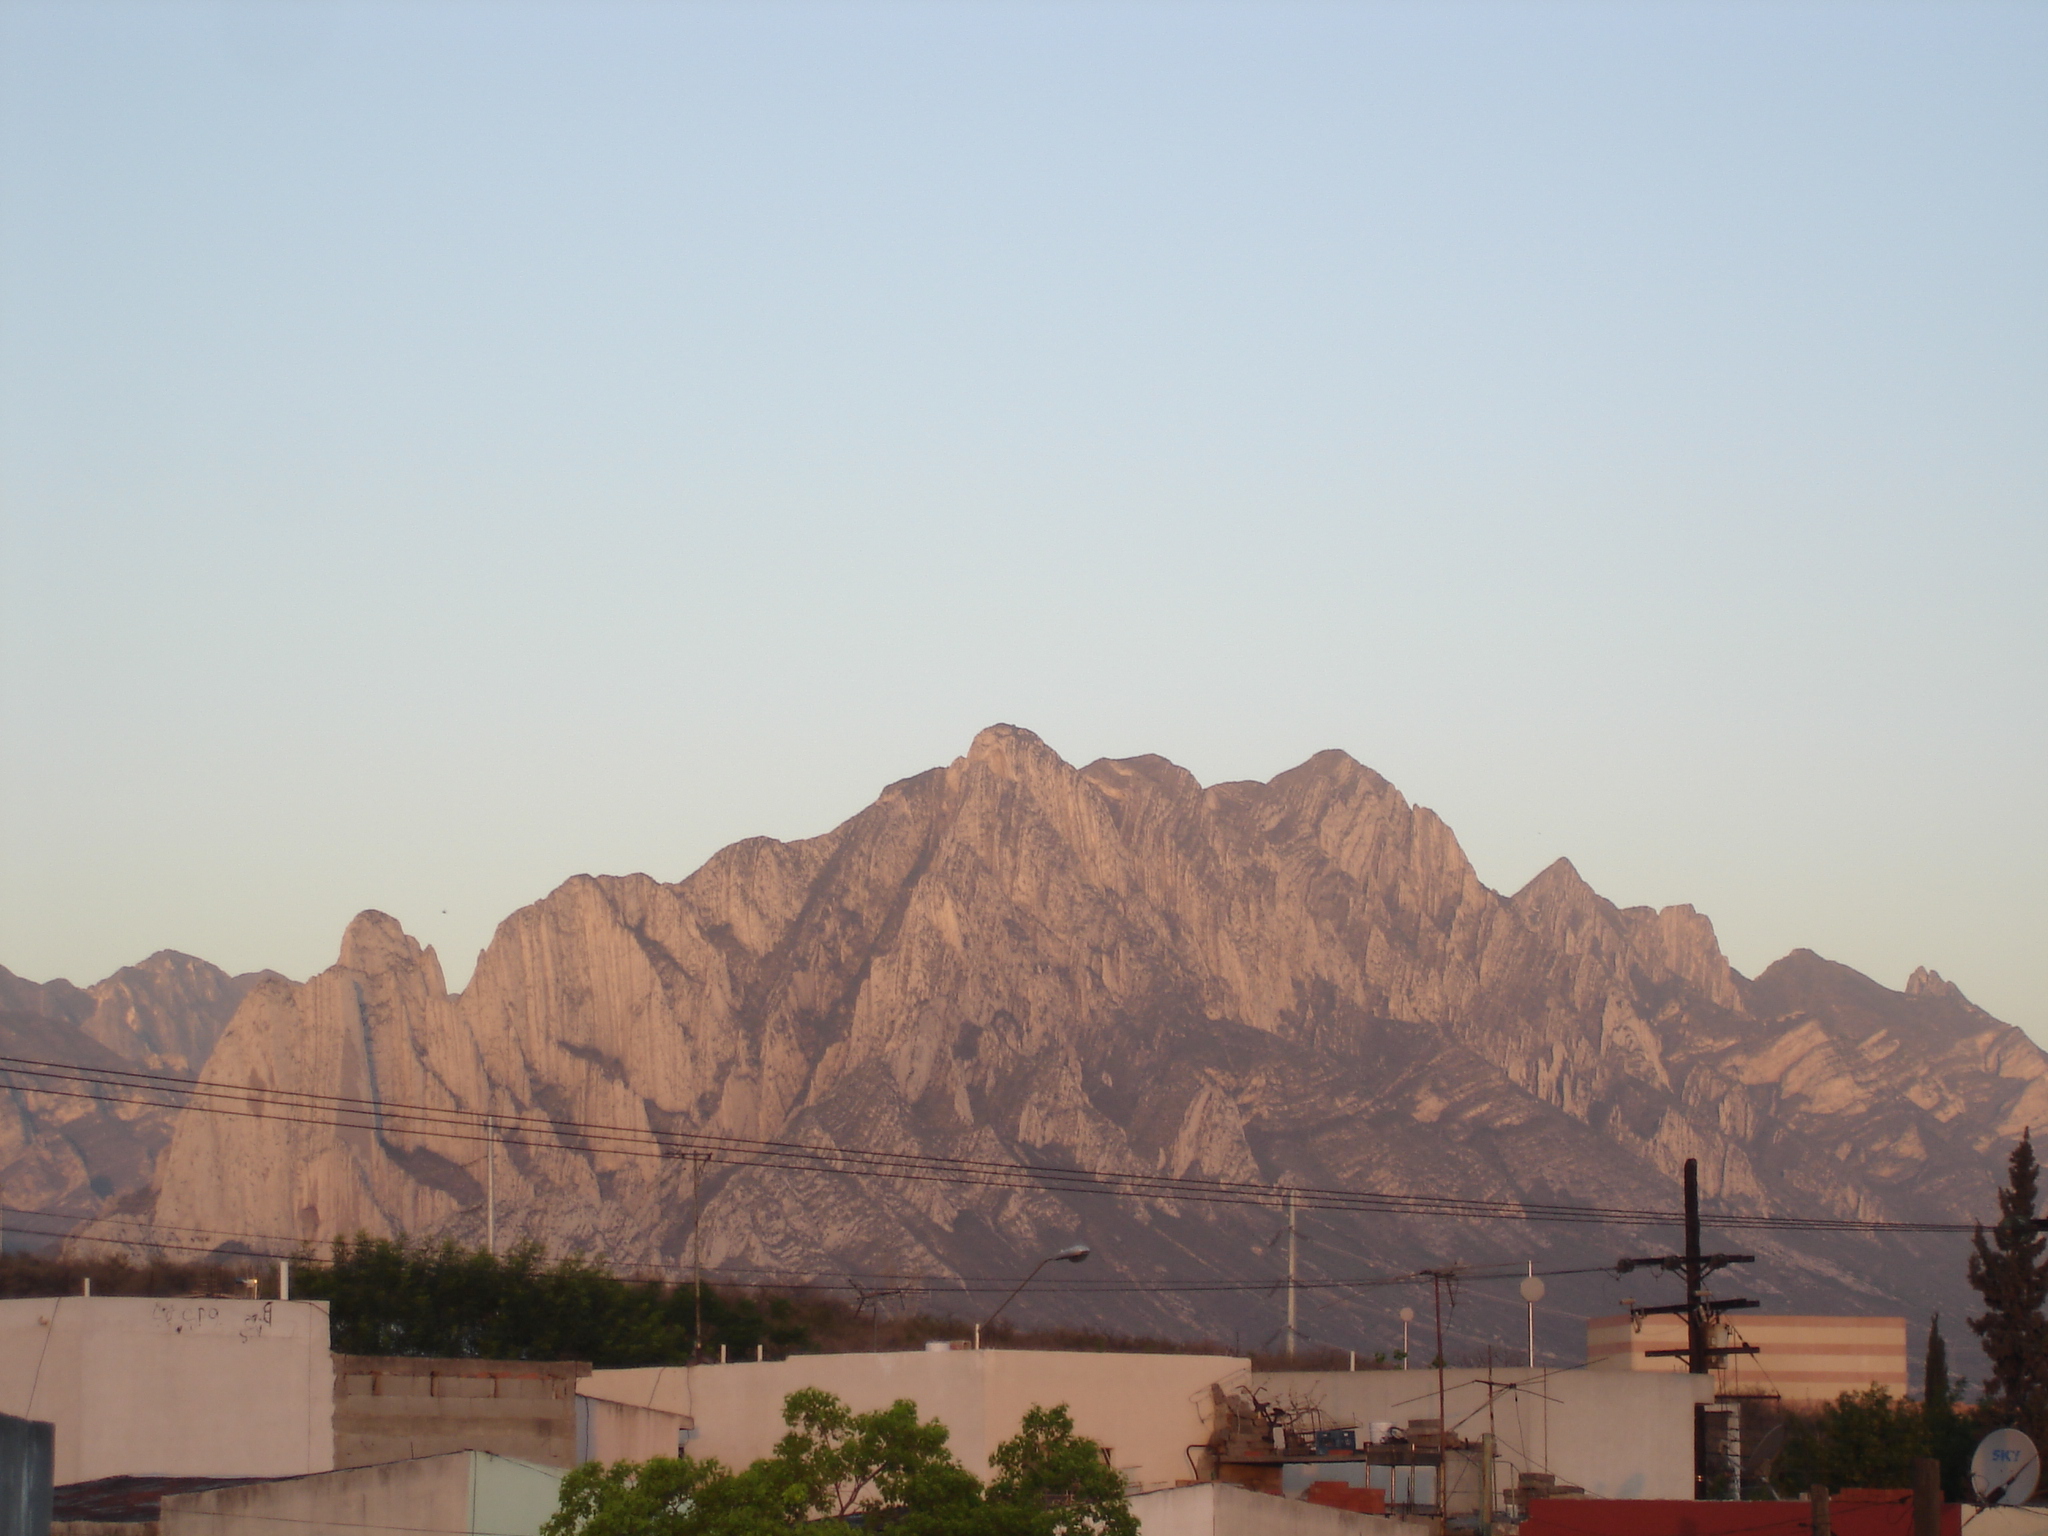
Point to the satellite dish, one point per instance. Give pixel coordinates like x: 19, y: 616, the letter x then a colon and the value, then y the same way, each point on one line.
x: 1532, y: 1290
x: 1755, y: 1458
x: 2005, y: 1468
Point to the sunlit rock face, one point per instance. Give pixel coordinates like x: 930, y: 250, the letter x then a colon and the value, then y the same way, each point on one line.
x: 1014, y: 959
x: 64, y: 1154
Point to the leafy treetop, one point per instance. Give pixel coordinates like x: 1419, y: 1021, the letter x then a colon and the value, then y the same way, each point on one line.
x: 1863, y: 1439
x: 882, y: 1469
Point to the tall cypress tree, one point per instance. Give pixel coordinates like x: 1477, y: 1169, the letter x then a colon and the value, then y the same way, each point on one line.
x: 2008, y: 1270
x: 1948, y: 1423
x: 1939, y: 1394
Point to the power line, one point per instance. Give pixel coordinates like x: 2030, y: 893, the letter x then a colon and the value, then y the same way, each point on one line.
x: 774, y: 1279
x: 534, y: 1132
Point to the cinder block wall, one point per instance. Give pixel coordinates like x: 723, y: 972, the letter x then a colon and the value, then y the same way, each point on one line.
x: 389, y: 1409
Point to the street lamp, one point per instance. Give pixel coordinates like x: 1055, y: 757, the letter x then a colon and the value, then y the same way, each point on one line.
x: 1073, y: 1255
x: 1532, y: 1292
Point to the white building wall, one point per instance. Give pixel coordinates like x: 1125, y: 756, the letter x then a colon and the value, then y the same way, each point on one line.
x: 509, y: 1497
x: 1148, y: 1409
x: 1219, y: 1509
x: 1617, y: 1434
x: 608, y: 1431
x: 178, y: 1387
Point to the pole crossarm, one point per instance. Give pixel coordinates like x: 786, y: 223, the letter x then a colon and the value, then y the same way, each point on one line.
x: 1714, y: 1350
x: 1709, y: 1304
x: 1676, y: 1262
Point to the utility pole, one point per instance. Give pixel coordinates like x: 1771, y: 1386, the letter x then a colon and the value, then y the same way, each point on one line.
x: 1700, y: 1311
x: 491, y: 1184
x: 1292, y: 1256
x: 1438, y: 1279
x: 697, y: 1255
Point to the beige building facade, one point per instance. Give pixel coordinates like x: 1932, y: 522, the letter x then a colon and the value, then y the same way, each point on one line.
x: 460, y: 1493
x: 186, y: 1387
x: 1798, y: 1359
x: 1147, y: 1409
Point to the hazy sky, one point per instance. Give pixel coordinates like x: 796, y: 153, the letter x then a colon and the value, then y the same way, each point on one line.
x: 449, y: 447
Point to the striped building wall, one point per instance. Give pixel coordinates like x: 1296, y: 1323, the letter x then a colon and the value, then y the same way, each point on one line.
x: 1800, y: 1359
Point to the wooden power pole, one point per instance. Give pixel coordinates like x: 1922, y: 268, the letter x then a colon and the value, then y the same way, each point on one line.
x: 1700, y: 1311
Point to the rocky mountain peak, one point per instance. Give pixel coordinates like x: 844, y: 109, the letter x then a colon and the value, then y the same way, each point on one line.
x: 1930, y: 983
x: 164, y: 1014
x: 1011, y: 752
x: 1559, y: 887
x: 375, y: 943
x: 1121, y: 776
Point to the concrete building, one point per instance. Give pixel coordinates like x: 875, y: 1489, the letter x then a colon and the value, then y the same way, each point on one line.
x: 609, y: 1431
x: 1799, y: 1359
x: 462, y: 1493
x: 389, y: 1408
x: 1146, y: 1409
x: 1218, y: 1509
x: 198, y: 1387
x: 1618, y: 1435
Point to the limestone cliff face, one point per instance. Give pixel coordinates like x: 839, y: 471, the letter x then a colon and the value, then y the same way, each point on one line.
x: 1011, y: 958
x: 67, y: 1155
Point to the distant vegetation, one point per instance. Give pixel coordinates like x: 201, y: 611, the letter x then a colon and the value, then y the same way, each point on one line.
x: 412, y: 1297
x: 399, y: 1297
x: 34, y: 1274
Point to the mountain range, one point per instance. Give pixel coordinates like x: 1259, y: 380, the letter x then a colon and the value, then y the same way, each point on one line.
x: 1012, y: 959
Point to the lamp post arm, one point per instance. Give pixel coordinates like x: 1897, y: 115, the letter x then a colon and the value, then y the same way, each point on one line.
x: 989, y: 1321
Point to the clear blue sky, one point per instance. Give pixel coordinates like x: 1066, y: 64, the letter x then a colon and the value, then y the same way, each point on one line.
x: 448, y: 447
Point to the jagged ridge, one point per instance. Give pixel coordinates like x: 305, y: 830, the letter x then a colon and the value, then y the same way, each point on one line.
x: 1008, y: 957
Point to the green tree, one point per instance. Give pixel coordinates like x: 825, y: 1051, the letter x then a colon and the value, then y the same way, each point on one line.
x: 885, y: 1469
x: 1938, y: 1391
x: 1060, y: 1482
x: 888, y: 1466
x: 2008, y: 1270
x: 1951, y: 1425
x: 669, y: 1496
x: 1861, y: 1440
